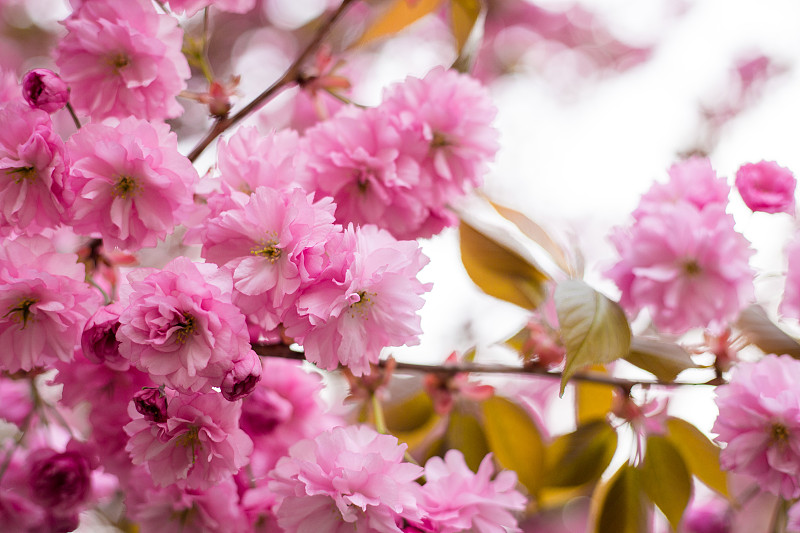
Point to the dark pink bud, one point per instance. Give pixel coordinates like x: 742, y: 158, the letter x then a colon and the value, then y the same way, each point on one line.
x: 99, y: 338
x: 43, y: 89
x: 60, y: 482
x: 152, y: 404
x: 242, y: 378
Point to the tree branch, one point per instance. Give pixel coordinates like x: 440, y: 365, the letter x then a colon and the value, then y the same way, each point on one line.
x: 289, y: 78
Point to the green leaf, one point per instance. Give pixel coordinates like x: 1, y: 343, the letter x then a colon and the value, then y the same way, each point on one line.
x: 758, y: 329
x: 515, y: 441
x: 501, y: 272
x: 580, y: 457
x: 699, y: 453
x: 409, y: 413
x: 593, y: 401
x: 465, y: 433
x: 594, y: 329
x: 400, y: 14
x: 665, y: 360
x: 665, y: 478
x: 620, y: 506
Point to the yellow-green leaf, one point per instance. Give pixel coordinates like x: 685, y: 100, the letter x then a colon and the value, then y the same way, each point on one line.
x: 463, y: 16
x: 665, y: 360
x: 759, y: 330
x: 594, y: 329
x: 699, y: 453
x: 593, y: 400
x: 581, y: 456
x: 409, y: 413
x: 465, y: 433
x: 515, y: 440
x: 619, y: 507
x: 665, y: 478
x: 501, y: 272
x: 400, y: 14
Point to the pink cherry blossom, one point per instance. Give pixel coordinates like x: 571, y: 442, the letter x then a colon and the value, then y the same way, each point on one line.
x: 370, y: 302
x: 34, y: 167
x: 193, y: 6
x: 44, y: 89
x: 347, y: 479
x: 123, y: 59
x: 453, y: 113
x: 371, y: 168
x: 457, y: 499
x: 132, y: 186
x: 61, y: 482
x: 766, y: 186
x: 692, y: 180
x: 790, y: 304
x: 44, y: 302
x: 199, y: 446
x: 687, y: 267
x: 248, y: 160
x: 99, y: 339
x: 181, y: 327
x: 759, y: 421
x: 274, y: 245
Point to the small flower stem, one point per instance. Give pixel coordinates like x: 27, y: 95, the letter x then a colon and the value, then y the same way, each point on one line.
x: 377, y: 414
x: 290, y: 77
x: 106, y: 299
x: 779, y: 519
x: 73, y: 115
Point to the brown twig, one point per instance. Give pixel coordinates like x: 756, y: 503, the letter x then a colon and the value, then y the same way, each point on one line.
x: 282, y: 350
x: 291, y: 77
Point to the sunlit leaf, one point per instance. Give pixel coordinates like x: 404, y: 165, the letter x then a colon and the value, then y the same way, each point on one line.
x: 501, y: 272
x: 464, y: 15
x: 410, y: 413
x: 581, y: 456
x: 665, y: 478
x: 400, y: 14
x: 592, y: 400
x: 594, y: 329
x: 537, y: 234
x: 515, y: 440
x: 699, y: 453
x: 620, y: 507
x: 464, y: 432
x: 665, y: 360
x: 759, y: 330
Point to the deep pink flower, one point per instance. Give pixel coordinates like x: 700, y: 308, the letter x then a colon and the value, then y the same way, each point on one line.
x: 240, y: 380
x: 687, y: 267
x: 370, y: 167
x: 123, y: 59
x: 453, y: 113
x: 692, y: 180
x: 34, y: 169
x: 346, y: 479
x: 132, y: 186
x: 766, y: 186
x: 44, y: 89
x: 99, y: 339
x: 61, y: 482
x: 193, y: 6
x: 181, y: 327
x: 790, y: 304
x: 199, y: 446
x: 44, y: 303
x: 457, y: 499
x: 759, y: 420
x: 274, y: 245
x: 249, y: 159
x: 370, y: 302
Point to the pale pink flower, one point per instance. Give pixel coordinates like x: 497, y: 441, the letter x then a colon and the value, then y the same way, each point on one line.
x: 193, y: 6
x: 34, y: 168
x: 759, y: 421
x: 123, y: 59
x: 692, y: 180
x: 454, y: 498
x: 371, y: 168
x: 766, y: 186
x: 370, y: 302
x: 687, y: 267
x: 274, y: 245
x: 44, y: 89
x: 132, y: 186
x: 793, y: 519
x: 248, y: 160
x: 790, y: 304
x: 200, y: 444
x: 347, y: 479
x: 172, y: 509
x: 44, y: 304
x: 181, y: 327
x: 240, y: 380
x: 453, y: 113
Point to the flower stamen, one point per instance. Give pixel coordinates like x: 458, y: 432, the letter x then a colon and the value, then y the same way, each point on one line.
x: 22, y: 311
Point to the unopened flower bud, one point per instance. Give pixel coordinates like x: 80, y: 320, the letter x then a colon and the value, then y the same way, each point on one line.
x: 152, y: 404
x: 242, y: 378
x: 43, y: 89
x: 99, y: 339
